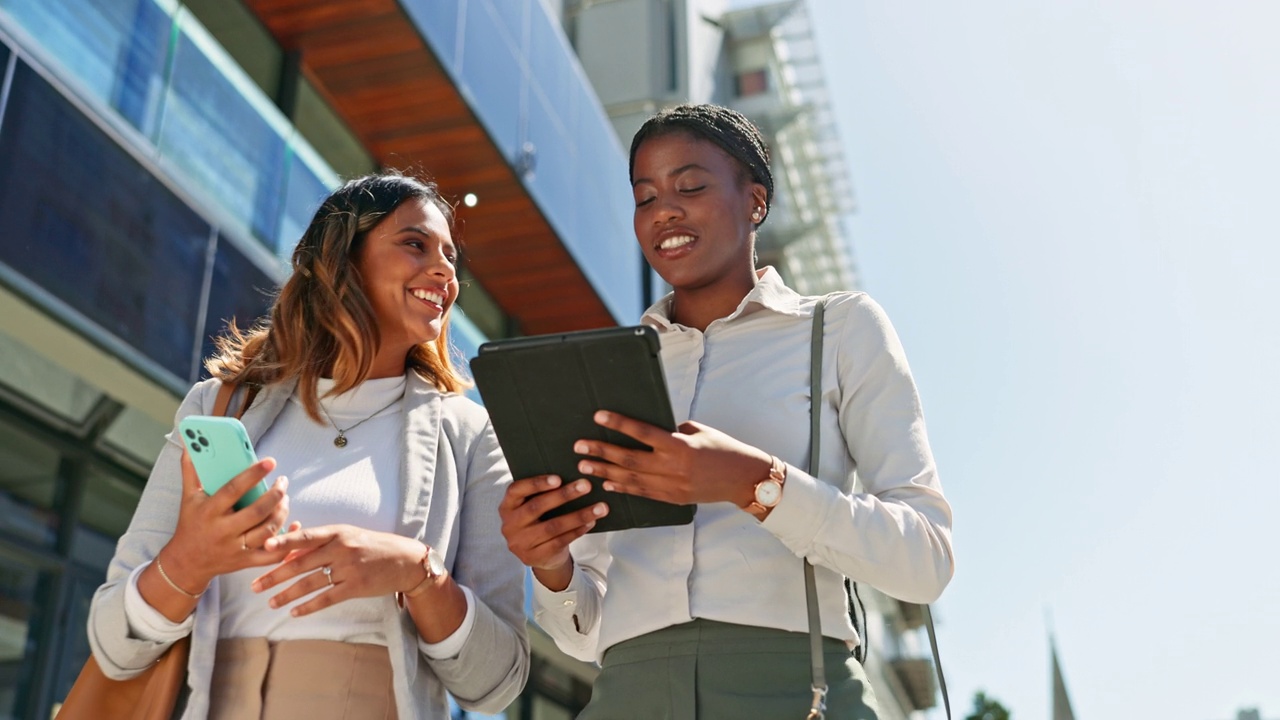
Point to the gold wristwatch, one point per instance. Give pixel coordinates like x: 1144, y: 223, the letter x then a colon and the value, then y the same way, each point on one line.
x: 768, y: 492
x: 433, y: 564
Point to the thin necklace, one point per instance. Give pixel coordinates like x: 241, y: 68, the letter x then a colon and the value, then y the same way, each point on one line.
x: 341, y: 440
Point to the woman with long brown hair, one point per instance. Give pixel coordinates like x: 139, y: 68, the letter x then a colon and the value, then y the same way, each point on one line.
x: 391, y: 584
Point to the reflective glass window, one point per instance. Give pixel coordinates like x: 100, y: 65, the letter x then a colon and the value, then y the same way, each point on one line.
x: 74, y: 647
x: 551, y: 64
x: 109, y: 500
x: 137, y: 434
x: 553, y: 181
x: 216, y: 130
x: 31, y: 375
x: 491, y: 76
x: 309, y: 183
x: 74, y: 225
x: 328, y: 135
x: 439, y: 22
x: 20, y: 587
x: 511, y: 18
x: 29, y: 485
x: 245, y: 39
x: 240, y: 290
x: 115, y: 49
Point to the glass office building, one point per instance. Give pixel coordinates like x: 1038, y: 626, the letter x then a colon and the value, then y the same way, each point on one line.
x: 158, y: 160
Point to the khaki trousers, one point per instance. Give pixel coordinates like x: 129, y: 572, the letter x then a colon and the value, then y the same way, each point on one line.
x: 301, y: 680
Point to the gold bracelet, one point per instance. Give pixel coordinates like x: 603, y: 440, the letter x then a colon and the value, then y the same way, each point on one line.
x: 173, y: 584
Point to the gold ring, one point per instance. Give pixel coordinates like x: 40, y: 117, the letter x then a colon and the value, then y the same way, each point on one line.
x: 243, y: 545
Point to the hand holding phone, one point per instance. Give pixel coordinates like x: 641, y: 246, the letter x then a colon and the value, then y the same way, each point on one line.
x: 220, y: 449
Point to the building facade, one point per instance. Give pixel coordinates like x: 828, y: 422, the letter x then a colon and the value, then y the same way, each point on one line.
x: 158, y: 159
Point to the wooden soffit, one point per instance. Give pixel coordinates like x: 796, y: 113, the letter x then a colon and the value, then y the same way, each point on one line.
x: 372, y: 64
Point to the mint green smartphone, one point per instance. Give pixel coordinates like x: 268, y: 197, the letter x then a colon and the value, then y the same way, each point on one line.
x: 220, y: 450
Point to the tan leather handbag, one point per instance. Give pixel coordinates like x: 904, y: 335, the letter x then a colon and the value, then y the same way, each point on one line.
x: 153, y: 695
x: 149, y: 696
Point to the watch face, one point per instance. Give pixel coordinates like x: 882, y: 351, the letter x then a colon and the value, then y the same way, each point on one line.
x: 435, y: 562
x: 768, y: 493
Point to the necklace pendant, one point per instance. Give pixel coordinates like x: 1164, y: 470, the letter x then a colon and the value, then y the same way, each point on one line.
x: 340, y: 441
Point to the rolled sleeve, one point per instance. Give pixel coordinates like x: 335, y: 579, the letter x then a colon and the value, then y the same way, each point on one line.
x: 147, y: 623
x: 452, y: 645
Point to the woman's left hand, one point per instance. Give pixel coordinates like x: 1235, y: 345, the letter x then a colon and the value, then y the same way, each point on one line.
x: 695, y: 464
x: 361, y: 563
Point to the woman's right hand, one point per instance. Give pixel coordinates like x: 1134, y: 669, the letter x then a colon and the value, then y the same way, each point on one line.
x: 213, y: 538
x: 543, y: 545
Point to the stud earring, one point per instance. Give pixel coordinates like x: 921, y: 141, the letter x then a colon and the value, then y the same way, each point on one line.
x: 755, y: 216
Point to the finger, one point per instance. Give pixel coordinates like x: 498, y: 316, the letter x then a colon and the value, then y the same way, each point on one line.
x: 521, y: 490
x: 538, y: 506
x: 328, y: 596
x: 631, y: 484
x: 258, y: 535
x: 556, y: 544
x: 230, y: 493
x: 544, y: 531
x: 639, y: 460
x: 300, y: 539
x: 289, y: 565
x: 272, y: 503
x: 314, y: 582
x: 190, y: 481
x: 650, y: 435
x: 609, y: 472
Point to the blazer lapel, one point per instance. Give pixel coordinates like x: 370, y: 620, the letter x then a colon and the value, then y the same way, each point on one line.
x: 265, y: 408
x: 418, y: 462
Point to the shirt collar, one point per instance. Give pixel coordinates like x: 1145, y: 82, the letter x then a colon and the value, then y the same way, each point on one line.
x: 769, y: 293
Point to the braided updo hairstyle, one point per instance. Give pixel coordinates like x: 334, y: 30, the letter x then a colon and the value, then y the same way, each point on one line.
x: 728, y: 129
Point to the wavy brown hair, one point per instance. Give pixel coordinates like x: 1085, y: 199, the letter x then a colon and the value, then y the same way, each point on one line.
x: 322, y: 323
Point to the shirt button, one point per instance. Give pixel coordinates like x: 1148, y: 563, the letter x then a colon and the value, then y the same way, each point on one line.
x: 569, y: 603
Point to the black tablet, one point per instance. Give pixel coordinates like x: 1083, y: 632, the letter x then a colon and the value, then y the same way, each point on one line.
x: 542, y: 391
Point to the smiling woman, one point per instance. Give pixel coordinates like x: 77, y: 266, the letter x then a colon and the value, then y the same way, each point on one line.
x: 708, y: 619
x: 376, y: 578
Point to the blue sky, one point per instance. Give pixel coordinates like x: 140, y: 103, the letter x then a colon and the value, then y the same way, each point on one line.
x: 1069, y: 211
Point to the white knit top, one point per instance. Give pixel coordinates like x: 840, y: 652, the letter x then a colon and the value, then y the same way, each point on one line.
x: 358, y: 484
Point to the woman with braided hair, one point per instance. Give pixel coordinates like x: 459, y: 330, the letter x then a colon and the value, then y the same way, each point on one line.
x: 708, y: 620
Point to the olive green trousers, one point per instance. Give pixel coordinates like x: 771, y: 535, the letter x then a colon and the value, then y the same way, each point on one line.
x: 711, y: 670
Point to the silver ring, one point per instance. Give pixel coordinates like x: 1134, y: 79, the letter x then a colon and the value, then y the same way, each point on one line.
x: 243, y: 545
x: 328, y: 574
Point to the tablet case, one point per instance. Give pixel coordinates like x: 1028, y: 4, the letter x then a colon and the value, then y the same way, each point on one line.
x: 542, y: 391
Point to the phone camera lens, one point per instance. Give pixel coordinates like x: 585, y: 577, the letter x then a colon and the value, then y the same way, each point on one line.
x: 204, y: 441
x: 191, y: 434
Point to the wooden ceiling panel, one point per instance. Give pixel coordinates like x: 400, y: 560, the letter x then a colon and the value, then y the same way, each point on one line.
x: 370, y: 62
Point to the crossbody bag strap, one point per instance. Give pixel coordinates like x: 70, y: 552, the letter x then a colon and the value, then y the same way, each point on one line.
x: 818, y: 708
x: 937, y: 659
x: 223, y: 400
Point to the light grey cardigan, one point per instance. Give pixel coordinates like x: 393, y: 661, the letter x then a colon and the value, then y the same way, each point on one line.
x: 453, y: 477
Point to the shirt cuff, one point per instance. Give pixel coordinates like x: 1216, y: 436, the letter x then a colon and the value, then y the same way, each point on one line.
x: 451, y: 646
x: 562, y: 605
x: 146, y: 622
x: 802, y: 511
